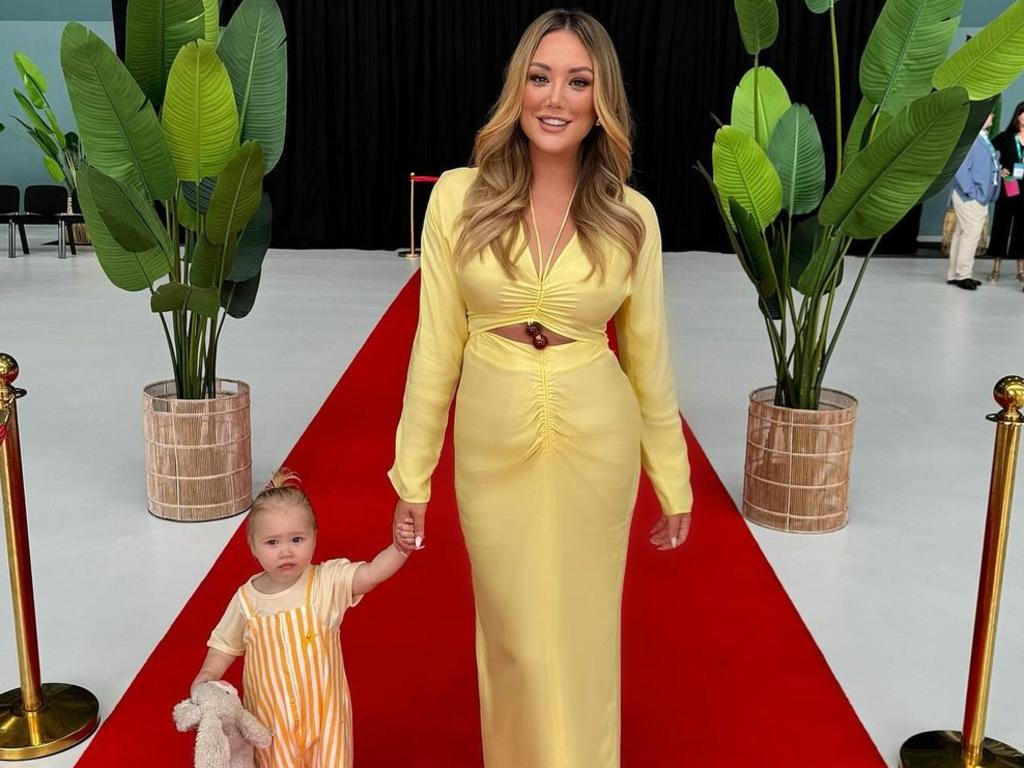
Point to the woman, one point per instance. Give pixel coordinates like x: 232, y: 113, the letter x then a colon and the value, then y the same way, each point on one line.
x: 1007, y: 239
x: 526, y: 256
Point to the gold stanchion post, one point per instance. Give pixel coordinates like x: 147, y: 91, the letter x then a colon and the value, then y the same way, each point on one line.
x: 970, y: 748
x: 36, y: 719
x: 411, y: 253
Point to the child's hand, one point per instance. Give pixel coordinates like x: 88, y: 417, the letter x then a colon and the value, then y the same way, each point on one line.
x: 405, y: 536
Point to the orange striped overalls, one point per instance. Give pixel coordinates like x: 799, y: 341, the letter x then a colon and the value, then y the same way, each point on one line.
x: 294, y: 681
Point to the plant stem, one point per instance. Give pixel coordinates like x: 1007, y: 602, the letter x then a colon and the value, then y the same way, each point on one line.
x: 835, y: 74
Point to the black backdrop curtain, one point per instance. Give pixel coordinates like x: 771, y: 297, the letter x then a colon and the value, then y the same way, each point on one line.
x: 379, y: 88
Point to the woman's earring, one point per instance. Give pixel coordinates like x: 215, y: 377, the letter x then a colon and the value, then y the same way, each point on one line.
x: 598, y: 123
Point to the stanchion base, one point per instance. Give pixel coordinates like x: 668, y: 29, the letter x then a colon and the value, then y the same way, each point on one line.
x: 69, y: 715
x: 404, y: 253
x: 944, y: 749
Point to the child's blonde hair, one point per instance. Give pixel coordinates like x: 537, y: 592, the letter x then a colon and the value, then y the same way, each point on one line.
x: 282, y: 488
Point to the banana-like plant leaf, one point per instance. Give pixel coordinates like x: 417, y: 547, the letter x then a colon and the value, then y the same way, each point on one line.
x: 892, y: 173
x: 237, y: 193
x: 797, y: 154
x: 34, y: 94
x: 175, y: 297
x: 128, y: 215
x: 211, y: 263
x: 211, y: 18
x: 806, y: 238
x: 254, y: 52
x: 823, y: 257
x: 28, y: 71
x: 979, y: 110
x: 991, y: 60
x: 54, y: 169
x: 742, y: 170
x: 772, y: 103
x: 128, y: 271
x: 155, y: 30
x: 199, y: 115
x: 41, y: 138
x: 198, y: 195
x: 117, y: 123
x: 58, y: 135
x: 759, y: 24
x: 238, y: 298
x: 910, y: 39
x: 253, y: 244
x: 726, y: 220
x: 867, y: 123
x: 185, y: 213
x: 30, y: 112
x: 819, y: 6
x: 756, y: 248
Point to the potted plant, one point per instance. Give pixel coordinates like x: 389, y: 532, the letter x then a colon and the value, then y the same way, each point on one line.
x: 179, y: 138
x: 62, y: 152
x: 919, y: 114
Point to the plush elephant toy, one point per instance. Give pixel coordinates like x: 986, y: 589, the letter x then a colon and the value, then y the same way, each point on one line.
x: 227, y: 732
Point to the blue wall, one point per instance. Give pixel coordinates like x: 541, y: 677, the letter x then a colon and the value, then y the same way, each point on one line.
x: 35, y: 27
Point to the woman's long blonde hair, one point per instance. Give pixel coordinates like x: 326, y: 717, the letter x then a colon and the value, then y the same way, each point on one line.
x: 499, y: 196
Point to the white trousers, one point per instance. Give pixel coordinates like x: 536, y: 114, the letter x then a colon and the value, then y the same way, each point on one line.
x: 970, y: 219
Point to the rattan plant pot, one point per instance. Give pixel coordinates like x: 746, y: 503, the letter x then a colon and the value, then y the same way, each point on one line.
x: 198, y: 452
x: 797, y: 471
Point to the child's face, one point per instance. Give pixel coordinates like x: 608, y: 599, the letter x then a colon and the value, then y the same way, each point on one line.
x: 282, y: 540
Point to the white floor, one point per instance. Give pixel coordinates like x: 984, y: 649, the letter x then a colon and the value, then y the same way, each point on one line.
x: 890, y: 599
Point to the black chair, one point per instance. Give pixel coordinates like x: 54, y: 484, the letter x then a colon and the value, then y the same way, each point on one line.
x: 10, y: 209
x: 47, y: 204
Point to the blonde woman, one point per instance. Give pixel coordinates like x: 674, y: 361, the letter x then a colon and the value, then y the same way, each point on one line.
x: 526, y: 257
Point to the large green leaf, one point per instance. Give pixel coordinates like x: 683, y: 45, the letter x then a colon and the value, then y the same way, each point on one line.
x: 211, y: 18
x: 127, y: 214
x: 253, y: 244
x: 975, y: 119
x: 54, y: 169
x: 806, y: 237
x: 756, y: 248
x: 796, y: 152
x: 991, y: 60
x: 759, y: 24
x: 742, y: 170
x: 29, y: 72
x: 254, y: 52
x: 198, y: 195
x: 889, y: 176
x: 176, y: 297
x: 812, y: 280
x: 236, y: 194
x: 128, y: 271
x: 117, y: 123
x: 910, y: 39
x: 726, y: 220
x: 819, y: 6
x: 867, y: 123
x: 211, y: 263
x: 199, y: 116
x: 238, y: 298
x: 30, y: 112
x: 772, y: 103
x: 155, y: 30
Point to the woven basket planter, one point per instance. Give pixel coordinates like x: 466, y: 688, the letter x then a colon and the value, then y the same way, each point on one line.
x: 198, y: 452
x: 797, y: 470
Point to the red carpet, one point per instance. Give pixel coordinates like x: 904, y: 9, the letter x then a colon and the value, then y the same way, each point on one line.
x: 718, y: 668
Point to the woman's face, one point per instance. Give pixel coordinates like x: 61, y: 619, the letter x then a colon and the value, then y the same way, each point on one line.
x: 558, y: 100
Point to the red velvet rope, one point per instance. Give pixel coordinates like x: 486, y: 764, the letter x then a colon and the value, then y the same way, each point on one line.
x: 430, y: 179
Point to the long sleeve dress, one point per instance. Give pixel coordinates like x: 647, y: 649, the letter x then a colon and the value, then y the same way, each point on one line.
x: 1007, y: 240
x: 548, y: 449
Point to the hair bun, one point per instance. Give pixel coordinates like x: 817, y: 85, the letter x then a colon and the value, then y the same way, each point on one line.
x: 281, y: 478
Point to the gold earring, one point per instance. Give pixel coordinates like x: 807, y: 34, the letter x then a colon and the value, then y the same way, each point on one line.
x: 598, y: 121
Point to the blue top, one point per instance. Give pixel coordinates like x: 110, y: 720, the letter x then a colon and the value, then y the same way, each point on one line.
x: 978, y: 176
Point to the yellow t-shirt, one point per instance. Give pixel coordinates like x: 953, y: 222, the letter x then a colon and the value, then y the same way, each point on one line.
x: 331, y: 597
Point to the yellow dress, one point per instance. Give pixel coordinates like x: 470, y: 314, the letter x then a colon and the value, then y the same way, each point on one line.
x: 548, y: 449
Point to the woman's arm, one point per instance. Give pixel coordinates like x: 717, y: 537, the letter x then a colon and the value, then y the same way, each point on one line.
x: 436, y: 360
x: 644, y: 356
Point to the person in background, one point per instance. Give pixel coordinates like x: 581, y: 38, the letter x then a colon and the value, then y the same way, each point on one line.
x: 975, y: 186
x: 1008, y: 223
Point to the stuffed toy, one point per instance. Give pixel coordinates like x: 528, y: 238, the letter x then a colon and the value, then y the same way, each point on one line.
x: 227, y: 732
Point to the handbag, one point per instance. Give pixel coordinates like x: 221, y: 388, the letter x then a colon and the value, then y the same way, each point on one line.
x: 1011, y: 187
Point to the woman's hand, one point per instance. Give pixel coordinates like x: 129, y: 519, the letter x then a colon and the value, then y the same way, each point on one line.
x: 670, y: 531
x: 408, y: 513
x: 1005, y: 173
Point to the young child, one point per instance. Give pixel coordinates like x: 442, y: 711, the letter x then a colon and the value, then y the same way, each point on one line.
x: 285, y: 622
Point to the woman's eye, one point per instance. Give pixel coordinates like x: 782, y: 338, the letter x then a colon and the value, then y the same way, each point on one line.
x: 538, y: 79
x: 580, y: 83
